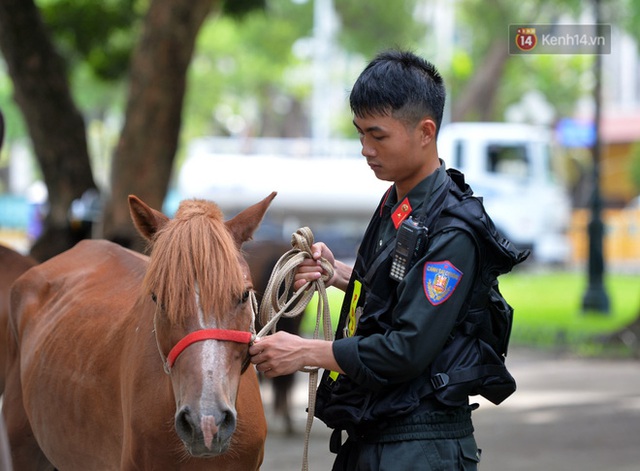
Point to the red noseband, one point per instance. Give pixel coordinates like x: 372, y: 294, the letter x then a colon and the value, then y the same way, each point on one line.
x: 237, y: 336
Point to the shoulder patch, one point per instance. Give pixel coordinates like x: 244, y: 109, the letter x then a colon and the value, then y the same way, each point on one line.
x: 440, y: 280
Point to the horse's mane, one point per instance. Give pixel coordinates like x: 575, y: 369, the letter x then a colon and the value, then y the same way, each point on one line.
x: 194, y: 249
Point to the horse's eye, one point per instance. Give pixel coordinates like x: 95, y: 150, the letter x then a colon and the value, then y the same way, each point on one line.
x: 244, y: 297
x: 154, y: 298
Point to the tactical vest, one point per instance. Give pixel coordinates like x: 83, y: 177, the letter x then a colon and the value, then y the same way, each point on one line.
x: 343, y: 404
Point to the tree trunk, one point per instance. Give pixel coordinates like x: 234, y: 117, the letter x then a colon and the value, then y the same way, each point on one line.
x: 144, y: 157
x: 55, y: 125
x: 477, y: 101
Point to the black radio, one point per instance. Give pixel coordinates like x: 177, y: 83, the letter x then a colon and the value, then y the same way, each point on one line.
x: 411, y: 238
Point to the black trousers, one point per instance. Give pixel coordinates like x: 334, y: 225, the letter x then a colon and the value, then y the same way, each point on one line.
x: 419, y: 455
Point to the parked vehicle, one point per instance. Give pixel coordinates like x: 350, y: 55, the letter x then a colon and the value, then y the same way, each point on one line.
x: 334, y: 196
x: 511, y: 167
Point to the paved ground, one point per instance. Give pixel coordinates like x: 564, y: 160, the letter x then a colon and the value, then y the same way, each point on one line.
x: 568, y: 414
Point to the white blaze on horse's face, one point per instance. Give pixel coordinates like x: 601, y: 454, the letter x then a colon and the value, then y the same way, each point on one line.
x: 211, y: 410
x: 213, y: 353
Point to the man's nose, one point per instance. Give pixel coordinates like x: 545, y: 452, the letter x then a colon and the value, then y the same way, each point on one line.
x: 367, y: 150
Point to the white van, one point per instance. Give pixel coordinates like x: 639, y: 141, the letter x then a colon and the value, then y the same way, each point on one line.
x: 510, y: 166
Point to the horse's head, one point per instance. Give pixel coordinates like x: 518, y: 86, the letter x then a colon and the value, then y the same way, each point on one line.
x: 202, y: 289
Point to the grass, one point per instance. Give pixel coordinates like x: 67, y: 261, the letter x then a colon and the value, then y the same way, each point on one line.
x: 548, y: 310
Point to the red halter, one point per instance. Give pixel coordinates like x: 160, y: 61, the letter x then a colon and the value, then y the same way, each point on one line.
x: 237, y: 336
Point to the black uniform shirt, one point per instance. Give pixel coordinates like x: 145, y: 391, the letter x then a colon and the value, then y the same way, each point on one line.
x: 428, y: 301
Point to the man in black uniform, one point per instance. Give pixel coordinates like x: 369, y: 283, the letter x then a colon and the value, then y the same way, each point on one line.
x: 391, y: 328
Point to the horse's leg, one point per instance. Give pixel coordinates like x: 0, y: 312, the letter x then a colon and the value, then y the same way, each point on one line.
x: 25, y: 451
x: 282, y: 387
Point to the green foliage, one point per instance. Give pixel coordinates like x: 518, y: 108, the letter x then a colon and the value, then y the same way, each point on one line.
x: 253, y: 58
x: 549, y: 304
x: 624, y: 12
x: 368, y: 27
x: 102, y: 34
x: 14, y: 124
x: 240, y: 66
x: 239, y: 8
x: 562, y: 79
x: 461, y: 65
x: 478, y: 27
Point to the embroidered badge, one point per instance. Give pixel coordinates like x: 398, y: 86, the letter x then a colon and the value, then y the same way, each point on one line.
x: 401, y: 213
x: 440, y: 281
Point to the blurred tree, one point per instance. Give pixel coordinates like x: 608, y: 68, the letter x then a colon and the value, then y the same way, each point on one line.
x: 255, y: 78
x: 251, y: 69
x: 57, y: 130
x: 489, y: 79
x: 146, y: 150
x: 484, y: 80
x: 625, y: 13
x: 144, y: 156
x: 243, y: 77
x: 100, y: 34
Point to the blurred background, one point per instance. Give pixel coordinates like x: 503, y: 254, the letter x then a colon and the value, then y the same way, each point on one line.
x: 230, y: 100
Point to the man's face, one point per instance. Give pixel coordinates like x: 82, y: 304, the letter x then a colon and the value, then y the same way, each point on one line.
x: 394, y: 151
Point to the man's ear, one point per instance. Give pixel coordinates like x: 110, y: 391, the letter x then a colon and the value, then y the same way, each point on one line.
x: 428, y: 129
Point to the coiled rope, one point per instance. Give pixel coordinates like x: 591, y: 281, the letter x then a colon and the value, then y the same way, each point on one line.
x: 278, y: 302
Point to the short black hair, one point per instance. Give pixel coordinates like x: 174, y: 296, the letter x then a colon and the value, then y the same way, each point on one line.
x: 402, y: 85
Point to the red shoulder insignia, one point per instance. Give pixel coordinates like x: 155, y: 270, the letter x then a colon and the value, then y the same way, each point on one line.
x: 401, y: 213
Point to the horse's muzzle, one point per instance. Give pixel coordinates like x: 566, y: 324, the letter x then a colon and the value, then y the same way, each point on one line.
x: 205, y: 435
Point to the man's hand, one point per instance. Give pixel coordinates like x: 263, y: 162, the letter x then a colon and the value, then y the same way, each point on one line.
x: 311, y: 269
x: 283, y: 353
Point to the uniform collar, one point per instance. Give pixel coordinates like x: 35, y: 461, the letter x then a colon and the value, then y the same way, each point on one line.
x: 400, y: 210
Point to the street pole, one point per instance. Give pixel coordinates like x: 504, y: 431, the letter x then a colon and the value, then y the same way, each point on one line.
x: 595, y: 298
x: 323, y: 32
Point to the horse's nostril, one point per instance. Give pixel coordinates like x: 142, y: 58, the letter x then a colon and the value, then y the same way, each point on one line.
x: 228, y: 421
x: 186, y: 426
x: 226, y: 424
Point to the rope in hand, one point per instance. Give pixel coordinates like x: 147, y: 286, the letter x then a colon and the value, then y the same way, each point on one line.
x: 278, y: 302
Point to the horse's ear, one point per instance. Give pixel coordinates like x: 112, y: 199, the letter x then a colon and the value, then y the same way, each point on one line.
x: 146, y: 219
x: 244, y: 224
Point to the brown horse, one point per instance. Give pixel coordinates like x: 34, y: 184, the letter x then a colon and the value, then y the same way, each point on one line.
x: 12, y: 265
x: 119, y: 361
